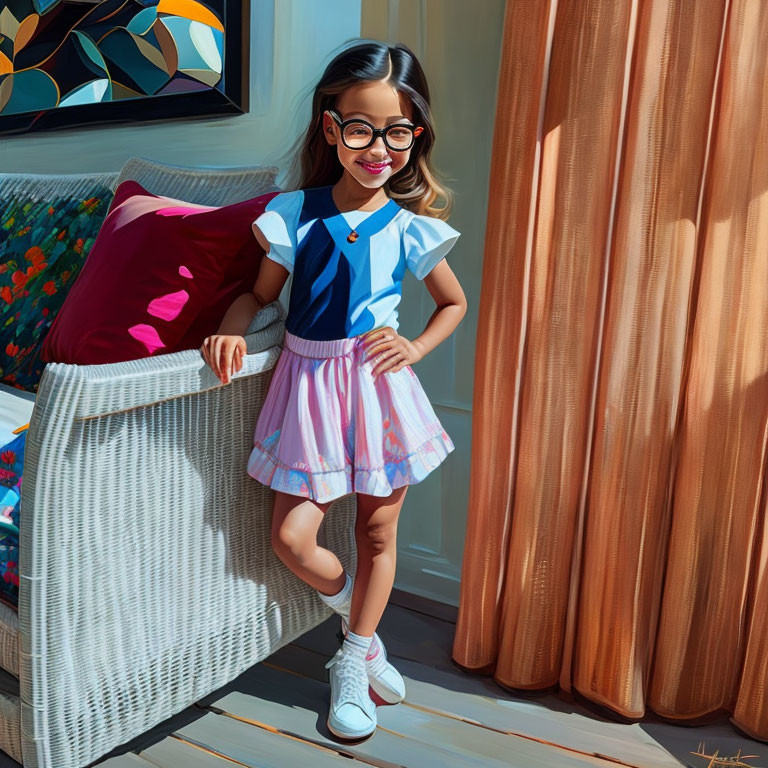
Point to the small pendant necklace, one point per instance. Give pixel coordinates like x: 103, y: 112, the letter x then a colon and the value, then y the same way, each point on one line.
x: 353, y: 234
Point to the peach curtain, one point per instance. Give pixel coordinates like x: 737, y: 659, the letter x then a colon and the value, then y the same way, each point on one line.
x: 615, y: 537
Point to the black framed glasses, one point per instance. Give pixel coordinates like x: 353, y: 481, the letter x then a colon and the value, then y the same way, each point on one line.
x: 357, y: 133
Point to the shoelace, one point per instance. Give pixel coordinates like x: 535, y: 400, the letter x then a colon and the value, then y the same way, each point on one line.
x: 352, y: 677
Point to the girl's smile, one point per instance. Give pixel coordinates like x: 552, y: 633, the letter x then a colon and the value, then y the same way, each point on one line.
x: 374, y: 168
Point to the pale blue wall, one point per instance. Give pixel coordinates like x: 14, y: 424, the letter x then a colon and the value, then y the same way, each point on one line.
x: 291, y: 41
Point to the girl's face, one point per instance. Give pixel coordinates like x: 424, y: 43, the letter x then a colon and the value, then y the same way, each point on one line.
x: 381, y: 105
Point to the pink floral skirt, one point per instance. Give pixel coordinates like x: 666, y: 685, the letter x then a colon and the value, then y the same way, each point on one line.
x: 328, y: 427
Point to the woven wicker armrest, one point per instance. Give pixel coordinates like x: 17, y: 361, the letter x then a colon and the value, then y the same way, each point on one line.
x: 100, y: 390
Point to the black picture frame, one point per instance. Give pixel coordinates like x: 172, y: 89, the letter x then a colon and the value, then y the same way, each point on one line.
x: 229, y: 96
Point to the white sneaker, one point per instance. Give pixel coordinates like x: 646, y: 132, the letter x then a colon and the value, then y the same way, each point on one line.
x: 382, y: 676
x: 352, y: 714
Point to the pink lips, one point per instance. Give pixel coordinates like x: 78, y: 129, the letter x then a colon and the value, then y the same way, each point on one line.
x: 374, y: 168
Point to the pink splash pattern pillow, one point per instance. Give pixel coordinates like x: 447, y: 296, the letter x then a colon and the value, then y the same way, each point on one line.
x: 159, y: 278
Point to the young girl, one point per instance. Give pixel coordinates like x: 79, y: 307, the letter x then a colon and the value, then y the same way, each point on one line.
x: 345, y: 413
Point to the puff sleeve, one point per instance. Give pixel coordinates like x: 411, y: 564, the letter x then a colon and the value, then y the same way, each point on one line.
x: 427, y: 240
x: 278, y: 224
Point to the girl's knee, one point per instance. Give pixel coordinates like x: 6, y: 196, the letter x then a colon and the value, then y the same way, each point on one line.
x: 294, y: 526
x: 376, y: 521
x: 376, y: 537
x: 287, y: 541
x: 283, y: 538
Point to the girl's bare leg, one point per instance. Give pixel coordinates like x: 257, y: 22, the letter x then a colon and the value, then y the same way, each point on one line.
x: 376, y: 535
x: 295, y: 522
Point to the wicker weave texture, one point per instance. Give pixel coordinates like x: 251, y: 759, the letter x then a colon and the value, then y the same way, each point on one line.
x: 10, y: 729
x: 204, y: 186
x: 9, y: 639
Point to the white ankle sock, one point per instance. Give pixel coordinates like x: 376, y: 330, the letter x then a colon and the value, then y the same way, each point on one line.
x: 357, y: 644
x: 342, y: 600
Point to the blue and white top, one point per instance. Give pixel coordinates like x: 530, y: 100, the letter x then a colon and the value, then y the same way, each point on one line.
x: 341, y: 289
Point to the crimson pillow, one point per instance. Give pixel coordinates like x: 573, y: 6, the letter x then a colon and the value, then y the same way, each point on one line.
x: 159, y: 278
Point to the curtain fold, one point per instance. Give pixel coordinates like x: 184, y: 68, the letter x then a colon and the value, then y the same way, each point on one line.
x: 513, y: 172
x: 615, y: 540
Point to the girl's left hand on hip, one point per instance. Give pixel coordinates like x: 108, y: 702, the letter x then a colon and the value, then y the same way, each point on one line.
x: 392, y: 351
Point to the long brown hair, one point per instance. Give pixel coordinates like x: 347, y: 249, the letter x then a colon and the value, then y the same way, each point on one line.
x: 315, y: 163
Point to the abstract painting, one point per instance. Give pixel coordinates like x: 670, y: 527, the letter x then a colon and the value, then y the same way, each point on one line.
x: 67, y: 63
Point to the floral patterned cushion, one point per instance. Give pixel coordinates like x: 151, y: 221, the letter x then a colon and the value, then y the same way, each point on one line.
x: 11, y: 463
x: 43, y: 246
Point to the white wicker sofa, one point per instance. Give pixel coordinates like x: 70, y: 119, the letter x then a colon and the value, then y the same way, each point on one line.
x: 139, y: 468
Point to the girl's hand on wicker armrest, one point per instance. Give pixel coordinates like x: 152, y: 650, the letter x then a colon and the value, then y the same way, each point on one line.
x: 390, y: 350
x: 224, y: 354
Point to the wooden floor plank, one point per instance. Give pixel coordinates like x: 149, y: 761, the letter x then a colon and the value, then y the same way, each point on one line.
x: 424, y: 605
x: 471, y: 733
x: 627, y: 743
x: 494, y: 747
x: 129, y: 760
x: 681, y: 740
x: 219, y: 741
x: 172, y: 752
x: 298, y: 704
x: 445, y: 688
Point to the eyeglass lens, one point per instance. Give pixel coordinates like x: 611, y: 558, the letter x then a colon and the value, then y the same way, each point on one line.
x: 359, y: 135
